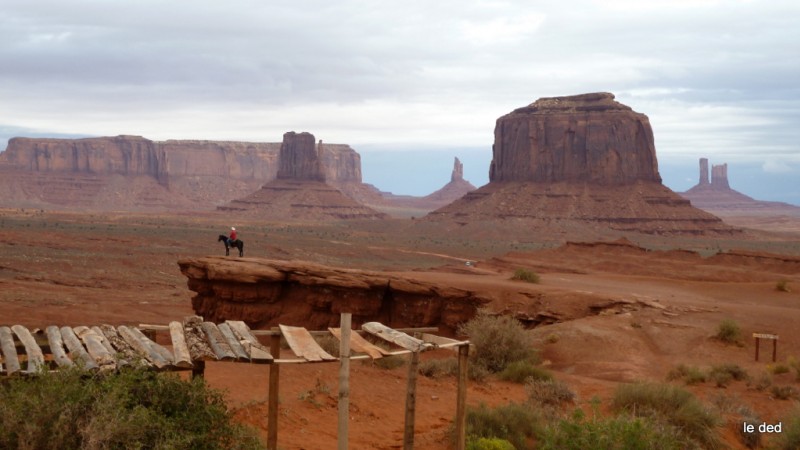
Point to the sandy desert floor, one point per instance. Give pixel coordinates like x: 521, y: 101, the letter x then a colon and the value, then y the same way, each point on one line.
x: 660, y: 308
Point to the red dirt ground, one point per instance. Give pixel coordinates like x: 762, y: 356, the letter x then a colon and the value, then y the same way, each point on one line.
x: 661, y: 309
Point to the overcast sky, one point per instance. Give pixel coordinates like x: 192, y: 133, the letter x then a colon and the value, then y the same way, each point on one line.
x: 719, y: 79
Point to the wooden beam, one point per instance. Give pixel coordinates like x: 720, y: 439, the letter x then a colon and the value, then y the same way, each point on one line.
x: 461, y: 398
x: 216, y: 341
x: 57, y: 347
x: 304, y: 345
x: 397, y: 337
x: 79, y: 354
x: 161, y: 350
x: 9, y: 350
x: 142, y: 348
x: 121, y: 346
x: 272, y: 405
x: 183, y: 358
x: 104, y: 359
x: 359, y: 344
x: 196, y: 339
x: 344, y: 382
x: 411, y: 402
x: 233, y: 342
x: 35, y: 355
x: 254, y: 348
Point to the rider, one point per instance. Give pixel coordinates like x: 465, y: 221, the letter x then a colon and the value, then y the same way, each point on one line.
x: 232, y: 237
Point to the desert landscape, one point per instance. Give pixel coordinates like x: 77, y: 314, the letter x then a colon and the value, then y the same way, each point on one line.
x: 633, y: 279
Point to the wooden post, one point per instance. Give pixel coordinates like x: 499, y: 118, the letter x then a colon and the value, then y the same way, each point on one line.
x: 774, y: 349
x: 199, y: 369
x: 411, y: 402
x: 272, y: 408
x: 344, y: 380
x: 757, y: 342
x: 461, y: 400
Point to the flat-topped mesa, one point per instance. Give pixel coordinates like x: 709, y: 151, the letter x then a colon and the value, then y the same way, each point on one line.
x: 298, y: 158
x: 589, y: 138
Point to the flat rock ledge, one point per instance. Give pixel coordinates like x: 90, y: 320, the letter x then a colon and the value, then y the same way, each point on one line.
x: 265, y: 292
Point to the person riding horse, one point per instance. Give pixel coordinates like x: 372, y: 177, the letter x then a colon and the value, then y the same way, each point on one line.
x: 232, y: 241
x: 232, y: 237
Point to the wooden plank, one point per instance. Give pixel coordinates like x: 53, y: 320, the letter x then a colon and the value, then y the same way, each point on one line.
x: 163, y: 352
x: 359, y: 344
x: 217, y: 342
x: 79, y: 354
x: 443, y: 342
x: 196, y: 339
x: 118, y: 356
x: 57, y: 347
x: 9, y: 351
x: 142, y: 348
x: 34, y: 353
x: 182, y: 356
x: 126, y: 353
x: 397, y: 337
x: 94, y: 344
x: 303, y: 344
x: 233, y: 343
x: 254, y: 348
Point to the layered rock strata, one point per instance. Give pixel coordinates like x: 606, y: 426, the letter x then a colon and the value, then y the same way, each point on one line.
x: 265, y: 293
x: 583, y: 159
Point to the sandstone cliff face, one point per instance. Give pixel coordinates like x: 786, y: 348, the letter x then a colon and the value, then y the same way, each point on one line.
x: 265, y: 293
x: 586, y: 138
x: 134, y: 173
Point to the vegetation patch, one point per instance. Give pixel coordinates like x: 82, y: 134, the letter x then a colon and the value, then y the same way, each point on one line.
x: 522, y: 371
x: 525, y: 275
x: 499, y: 340
x: 132, y: 409
x: 729, y: 332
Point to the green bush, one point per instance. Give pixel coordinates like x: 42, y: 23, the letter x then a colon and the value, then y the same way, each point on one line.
x: 132, y: 409
x: 448, y: 367
x: 782, y: 286
x: 521, y: 371
x: 514, y: 423
x: 789, y: 438
x: 498, y: 341
x: 729, y: 332
x: 689, y: 374
x: 723, y: 374
x: 489, y: 444
x: 672, y: 405
x: 783, y: 392
x: 525, y: 275
x: 621, y: 432
x: 550, y: 392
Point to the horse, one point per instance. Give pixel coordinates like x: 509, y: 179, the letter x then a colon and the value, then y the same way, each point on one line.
x: 235, y: 244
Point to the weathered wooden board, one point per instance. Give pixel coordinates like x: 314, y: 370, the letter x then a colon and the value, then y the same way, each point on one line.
x: 35, y: 355
x: 303, y: 344
x: 233, y: 343
x: 254, y: 348
x: 443, y: 342
x: 142, y: 348
x: 79, y: 354
x: 183, y: 358
x: 94, y: 345
x: 162, y: 351
x: 397, y: 337
x: 118, y: 356
x: 217, y: 342
x: 196, y: 339
x: 9, y: 350
x: 360, y: 345
x: 57, y: 347
x: 124, y: 350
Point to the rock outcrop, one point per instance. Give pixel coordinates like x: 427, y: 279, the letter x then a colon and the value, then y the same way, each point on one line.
x: 300, y: 191
x: 452, y: 191
x: 718, y: 197
x: 134, y: 173
x: 588, y: 138
x: 265, y: 293
x: 582, y: 160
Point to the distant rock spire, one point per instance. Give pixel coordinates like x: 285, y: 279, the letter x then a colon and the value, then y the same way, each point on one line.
x: 719, y: 176
x: 703, y: 172
x: 458, y: 171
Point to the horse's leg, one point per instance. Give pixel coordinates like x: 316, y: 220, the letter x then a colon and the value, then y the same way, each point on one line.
x: 241, y: 250
x: 227, y: 250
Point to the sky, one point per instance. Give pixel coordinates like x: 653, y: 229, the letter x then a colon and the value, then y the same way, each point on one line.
x: 410, y: 85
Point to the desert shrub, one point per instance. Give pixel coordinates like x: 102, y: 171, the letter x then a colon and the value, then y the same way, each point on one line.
x: 672, y: 405
x: 789, y: 438
x: 389, y: 362
x: 779, y: 369
x: 489, y: 444
x: 550, y: 392
x: 762, y: 382
x: 748, y: 417
x: 513, y: 422
x: 525, y: 275
x: 498, y: 341
x: 723, y: 374
x: 785, y: 392
x: 782, y: 286
x: 131, y: 409
x: 521, y: 371
x: 728, y: 331
x: 437, y: 368
x: 329, y: 343
x: 621, y: 432
x: 689, y: 374
x: 795, y: 365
